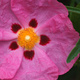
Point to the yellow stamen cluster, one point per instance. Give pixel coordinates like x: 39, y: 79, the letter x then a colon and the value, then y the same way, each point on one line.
x: 27, y: 38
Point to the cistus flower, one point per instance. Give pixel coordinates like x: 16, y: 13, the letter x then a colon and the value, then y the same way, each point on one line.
x: 36, y: 37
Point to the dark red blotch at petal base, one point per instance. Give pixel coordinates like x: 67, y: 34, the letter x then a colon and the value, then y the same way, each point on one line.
x: 44, y: 40
x: 13, y: 45
x: 15, y: 27
x: 33, y: 23
x: 29, y: 54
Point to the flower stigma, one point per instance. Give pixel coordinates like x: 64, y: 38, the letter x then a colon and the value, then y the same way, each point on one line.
x: 27, y: 38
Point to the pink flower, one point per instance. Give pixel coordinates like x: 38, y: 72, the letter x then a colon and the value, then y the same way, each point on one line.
x: 52, y: 39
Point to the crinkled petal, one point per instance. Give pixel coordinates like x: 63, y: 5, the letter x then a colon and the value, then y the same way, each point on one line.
x: 39, y: 68
x: 63, y: 39
x: 9, y: 60
x: 7, y: 18
x: 41, y: 10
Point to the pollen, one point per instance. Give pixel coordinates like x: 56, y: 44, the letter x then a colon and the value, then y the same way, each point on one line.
x: 27, y: 38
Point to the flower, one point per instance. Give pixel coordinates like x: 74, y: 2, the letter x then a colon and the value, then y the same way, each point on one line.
x: 46, y: 29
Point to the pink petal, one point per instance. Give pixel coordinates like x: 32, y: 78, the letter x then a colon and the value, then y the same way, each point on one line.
x: 6, y: 35
x: 9, y: 60
x: 63, y: 39
x: 41, y: 10
x: 7, y: 18
x: 40, y: 68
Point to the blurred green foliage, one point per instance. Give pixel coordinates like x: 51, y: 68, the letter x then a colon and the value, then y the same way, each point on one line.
x: 74, y: 73
x: 77, y: 1
x: 75, y: 18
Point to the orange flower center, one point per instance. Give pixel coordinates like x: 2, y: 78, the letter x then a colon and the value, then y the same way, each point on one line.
x: 27, y: 38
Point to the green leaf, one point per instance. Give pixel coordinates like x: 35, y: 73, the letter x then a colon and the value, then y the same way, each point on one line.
x: 73, y: 9
x: 75, y: 18
x: 74, y: 52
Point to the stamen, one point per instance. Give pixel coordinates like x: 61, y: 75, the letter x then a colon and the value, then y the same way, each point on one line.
x: 27, y: 38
